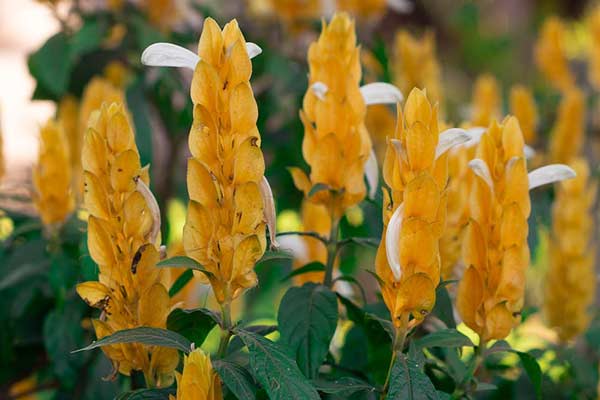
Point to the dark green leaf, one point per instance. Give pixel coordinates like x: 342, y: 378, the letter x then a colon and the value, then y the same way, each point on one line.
x: 262, y: 330
x: 443, y: 395
x: 144, y: 335
x: 407, y: 382
x: 310, y: 267
x: 484, y: 386
x: 444, y: 338
x: 23, y: 272
x: 236, y: 378
x: 50, y: 65
x: 180, y: 283
x: 87, y: 38
x: 275, y: 255
x: 307, y: 320
x: 387, y: 326
x: 275, y: 370
x: 140, y: 110
x: 147, y: 394
x: 344, y: 387
x: 195, y: 325
x: 317, y: 188
x: 415, y: 353
x: 184, y: 262
x: 533, y: 370
x: 443, y: 307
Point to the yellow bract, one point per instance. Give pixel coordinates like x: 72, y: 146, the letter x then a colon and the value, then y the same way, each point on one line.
x: 336, y: 143
x: 486, y: 102
x: 53, y: 197
x: 315, y: 218
x: 570, y: 280
x: 567, y: 135
x: 417, y: 180
x: 495, y: 251
x: 415, y: 64
x: 522, y: 106
x: 550, y: 54
x: 121, y: 240
x: 363, y: 8
x: 198, y: 381
x: 225, y: 227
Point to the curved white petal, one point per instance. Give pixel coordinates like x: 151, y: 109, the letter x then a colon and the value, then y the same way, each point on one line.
x: 392, y: 236
x: 450, y: 138
x: 400, y: 150
x: 550, y: 174
x: 480, y: 168
x: 475, y: 135
x: 372, y: 174
x: 169, y: 55
x: 381, y: 93
x: 153, y: 207
x: 269, y: 211
x: 529, y: 152
x: 253, y: 49
x: 296, y: 245
x: 401, y: 6
x: 319, y: 89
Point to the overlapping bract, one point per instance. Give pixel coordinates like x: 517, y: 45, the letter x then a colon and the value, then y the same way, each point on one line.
x: 495, y: 252
x: 198, y: 381
x: 225, y: 227
x: 416, y: 181
x: 122, y: 240
x: 336, y: 143
x: 522, y: 106
x: 550, y: 54
x: 53, y: 197
x: 570, y: 280
x: 568, y: 132
x: 487, y: 101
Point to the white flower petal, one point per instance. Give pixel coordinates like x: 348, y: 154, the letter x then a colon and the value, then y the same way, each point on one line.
x: 296, y: 245
x: 381, y: 93
x: 153, y: 207
x: 319, y: 89
x: 401, y: 6
x: 400, y: 150
x: 392, y: 236
x: 550, y: 174
x: 169, y: 55
x: 253, y: 49
x: 480, y: 168
x: 372, y: 174
x: 450, y: 138
x: 475, y: 135
x: 269, y: 210
x: 529, y: 152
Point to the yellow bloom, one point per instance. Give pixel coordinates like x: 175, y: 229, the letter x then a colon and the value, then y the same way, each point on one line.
x: 495, y: 252
x: 567, y: 135
x: 198, y: 381
x: 415, y: 64
x: 522, y: 106
x: 115, y: 5
x: 336, y: 143
x: 225, y: 227
x: 19, y: 389
x: 363, y: 8
x: 594, y: 55
x: 570, y: 280
x: 550, y: 54
x: 123, y: 230
x: 487, y: 101
x: 68, y: 117
x: 162, y: 13
x: 291, y: 11
x: 53, y: 197
x: 315, y: 218
x: 408, y: 259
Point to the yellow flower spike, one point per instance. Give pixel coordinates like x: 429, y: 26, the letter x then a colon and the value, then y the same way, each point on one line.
x: 550, y: 54
x: 363, y: 8
x: 122, y: 239
x: 495, y: 251
x: 315, y: 218
x: 415, y: 64
x: 53, y: 197
x: 487, y: 101
x: 593, y: 25
x: 163, y: 14
x: 522, y: 106
x: 567, y: 135
x: 198, y: 380
x: 570, y: 280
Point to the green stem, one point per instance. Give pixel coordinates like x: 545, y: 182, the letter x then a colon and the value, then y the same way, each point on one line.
x: 332, y: 248
x: 225, y: 329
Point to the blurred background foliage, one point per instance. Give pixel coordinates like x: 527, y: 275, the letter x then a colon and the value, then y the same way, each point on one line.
x: 43, y: 320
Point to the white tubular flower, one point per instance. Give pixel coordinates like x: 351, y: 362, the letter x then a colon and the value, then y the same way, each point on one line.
x: 372, y: 174
x: 269, y: 211
x: 550, y: 174
x: 480, y: 168
x: 450, y: 138
x: 392, y: 236
x: 401, y: 6
x: 319, y: 89
x: 172, y: 55
x: 381, y: 93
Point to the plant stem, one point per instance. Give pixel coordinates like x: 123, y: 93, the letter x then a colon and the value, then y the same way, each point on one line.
x: 225, y: 328
x: 332, y: 248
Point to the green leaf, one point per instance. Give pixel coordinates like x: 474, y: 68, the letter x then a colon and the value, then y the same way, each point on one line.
x: 443, y: 306
x: 344, y: 387
x: 140, y: 110
x: 88, y: 38
x: 275, y: 370
x: 147, y: 394
x: 145, y: 34
x: 444, y: 338
x: 307, y: 320
x: 533, y: 370
x: 236, y: 378
x: 310, y: 267
x: 387, y: 326
x: 195, y: 324
x: 407, y: 382
x: 50, y: 65
x: 180, y: 283
x: 184, y: 262
x: 262, y: 330
x: 144, y: 335
x: 275, y: 255
x: 317, y: 188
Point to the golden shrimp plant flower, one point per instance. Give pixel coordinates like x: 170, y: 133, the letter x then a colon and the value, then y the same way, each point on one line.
x: 123, y: 230
x: 52, y: 196
x: 487, y: 101
x: 522, y: 106
x: 550, y: 55
x: 414, y: 210
x: 199, y: 381
x: 570, y: 280
x: 568, y: 132
x: 336, y: 144
x: 495, y: 252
